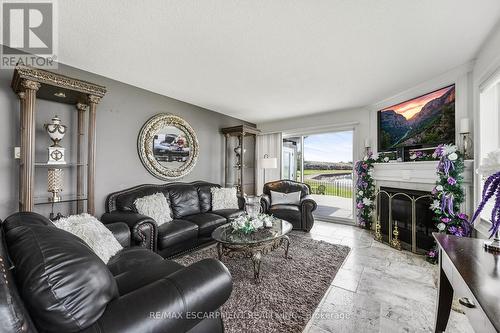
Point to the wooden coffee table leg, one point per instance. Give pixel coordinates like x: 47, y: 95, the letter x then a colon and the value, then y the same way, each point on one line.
x: 256, y: 259
x: 286, y: 242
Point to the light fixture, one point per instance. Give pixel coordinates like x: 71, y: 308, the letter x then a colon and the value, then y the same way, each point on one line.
x: 60, y: 94
x: 268, y: 163
x: 466, y: 144
x: 367, y: 146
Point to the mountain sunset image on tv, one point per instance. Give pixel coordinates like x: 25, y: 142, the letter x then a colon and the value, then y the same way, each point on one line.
x: 425, y: 121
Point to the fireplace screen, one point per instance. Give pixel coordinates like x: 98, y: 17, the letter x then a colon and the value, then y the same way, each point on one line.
x: 404, y: 219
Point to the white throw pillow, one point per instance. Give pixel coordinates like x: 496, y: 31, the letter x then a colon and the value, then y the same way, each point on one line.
x: 155, y: 206
x: 292, y: 198
x: 99, y: 238
x: 224, y: 198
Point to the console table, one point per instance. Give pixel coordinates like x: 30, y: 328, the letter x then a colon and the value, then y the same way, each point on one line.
x: 472, y: 274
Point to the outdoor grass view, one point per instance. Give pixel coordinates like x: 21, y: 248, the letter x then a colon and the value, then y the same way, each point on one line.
x: 338, y: 182
x: 327, y: 168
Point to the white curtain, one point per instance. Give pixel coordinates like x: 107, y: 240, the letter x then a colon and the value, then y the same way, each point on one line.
x: 270, y: 144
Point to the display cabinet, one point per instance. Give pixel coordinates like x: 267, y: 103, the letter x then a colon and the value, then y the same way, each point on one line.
x: 30, y: 83
x: 240, y: 158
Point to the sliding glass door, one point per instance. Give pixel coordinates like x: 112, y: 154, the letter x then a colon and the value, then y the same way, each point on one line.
x: 324, y: 161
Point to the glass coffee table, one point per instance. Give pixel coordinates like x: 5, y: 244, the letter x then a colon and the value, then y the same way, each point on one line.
x: 235, y: 244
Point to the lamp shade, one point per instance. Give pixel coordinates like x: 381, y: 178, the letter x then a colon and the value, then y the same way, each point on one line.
x: 367, y: 143
x: 269, y: 163
x: 464, y: 125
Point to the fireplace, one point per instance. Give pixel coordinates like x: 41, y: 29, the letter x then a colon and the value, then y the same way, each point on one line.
x: 406, y: 211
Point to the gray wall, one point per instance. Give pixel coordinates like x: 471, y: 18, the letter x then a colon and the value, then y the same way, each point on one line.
x: 120, y: 116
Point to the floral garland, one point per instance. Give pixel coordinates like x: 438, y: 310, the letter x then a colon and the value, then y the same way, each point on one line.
x: 365, y: 190
x: 423, y: 156
x: 449, y: 195
x: 365, y: 187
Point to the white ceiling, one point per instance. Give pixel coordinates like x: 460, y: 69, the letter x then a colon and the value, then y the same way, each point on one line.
x: 262, y: 60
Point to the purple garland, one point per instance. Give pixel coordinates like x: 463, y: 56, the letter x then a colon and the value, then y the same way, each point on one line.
x: 491, y: 188
x: 365, y: 191
x: 448, y: 195
x: 447, y: 204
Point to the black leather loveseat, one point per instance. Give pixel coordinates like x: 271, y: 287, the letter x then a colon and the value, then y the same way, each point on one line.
x: 51, y: 281
x: 300, y: 216
x: 191, y: 206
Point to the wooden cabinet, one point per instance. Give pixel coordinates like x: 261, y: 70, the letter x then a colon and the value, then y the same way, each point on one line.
x: 30, y: 83
x: 240, y: 158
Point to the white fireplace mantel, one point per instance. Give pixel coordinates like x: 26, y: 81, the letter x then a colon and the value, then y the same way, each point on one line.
x: 420, y: 176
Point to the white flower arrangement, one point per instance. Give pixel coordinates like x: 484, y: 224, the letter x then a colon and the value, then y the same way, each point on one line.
x: 449, y: 149
x: 435, y: 205
x: 453, y: 156
x: 367, y: 202
x: 490, y: 164
x: 247, y: 224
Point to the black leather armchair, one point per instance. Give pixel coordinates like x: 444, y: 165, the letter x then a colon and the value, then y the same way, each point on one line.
x: 301, y: 216
x: 136, y: 291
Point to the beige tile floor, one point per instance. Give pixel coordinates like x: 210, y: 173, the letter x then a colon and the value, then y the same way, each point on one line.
x: 377, y: 289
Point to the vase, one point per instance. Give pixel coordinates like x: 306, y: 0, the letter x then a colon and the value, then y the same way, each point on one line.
x: 252, y: 205
x: 56, y: 132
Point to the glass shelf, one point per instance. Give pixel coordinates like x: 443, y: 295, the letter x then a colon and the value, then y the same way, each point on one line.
x: 58, y: 166
x: 64, y: 198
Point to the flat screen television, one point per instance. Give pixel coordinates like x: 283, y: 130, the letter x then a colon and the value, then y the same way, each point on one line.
x: 422, y: 122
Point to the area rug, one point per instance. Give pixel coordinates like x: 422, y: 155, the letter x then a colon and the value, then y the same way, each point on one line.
x: 289, y: 291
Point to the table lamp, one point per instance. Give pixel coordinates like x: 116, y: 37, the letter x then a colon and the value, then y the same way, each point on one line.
x: 268, y: 163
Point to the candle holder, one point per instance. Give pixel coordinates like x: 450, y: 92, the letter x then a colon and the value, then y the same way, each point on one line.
x: 55, y: 184
x: 395, y: 243
x: 378, y: 235
x: 466, y: 145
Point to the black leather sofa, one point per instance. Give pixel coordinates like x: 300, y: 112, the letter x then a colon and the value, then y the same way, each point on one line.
x: 191, y: 206
x: 52, y: 282
x: 301, y: 216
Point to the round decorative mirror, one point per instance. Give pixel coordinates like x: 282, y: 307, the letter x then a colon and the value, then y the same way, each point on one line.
x: 168, y: 146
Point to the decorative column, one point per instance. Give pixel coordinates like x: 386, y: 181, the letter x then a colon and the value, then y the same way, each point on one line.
x: 242, y: 163
x: 22, y: 144
x: 27, y: 144
x: 81, y: 108
x: 226, y: 161
x: 93, y: 101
